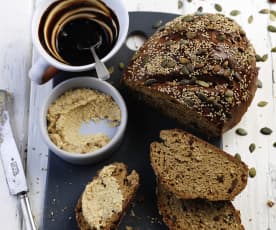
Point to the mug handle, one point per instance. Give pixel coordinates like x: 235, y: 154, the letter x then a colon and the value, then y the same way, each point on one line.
x: 41, y: 71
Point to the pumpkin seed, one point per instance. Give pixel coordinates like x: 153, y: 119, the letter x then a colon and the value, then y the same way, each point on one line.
x: 150, y: 81
x: 235, y: 12
x: 183, y: 42
x: 221, y: 37
x: 241, y: 132
x: 190, y: 35
x: 200, y: 9
x: 271, y: 28
x: 216, y: 105
x: 202, y: 83
x: 190, y: 67
x: 202, y: 96
x: 250, y: 19
x: 266, y: 131
x: 187, y: 18
x: 252, y: 147
x: 111, y: 69
x: 272, y: 17
x: 262, y: 103
x: 258, y: 58
x: 121, y: 65
x: 238, y: 156
x: 274, y: 144
x: 273, y: 12
x: 229, y: 93
x: 157, y: 24
x: 184, y: 70
x: 273, y: 50
x: 264, y: 57
x: 189, y: 0
x: 218, y: 7
x: 183, y: 60
x: 264, y: 11
x: 211, y: 99
x: 259, y: 84
x: 184, y: 82
x: 229, y: 99
x: 171, y: 63
x: 180, y: 4
x: 252, y: 172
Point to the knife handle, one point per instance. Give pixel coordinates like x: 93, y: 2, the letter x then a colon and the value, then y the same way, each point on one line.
x: 26, y: 211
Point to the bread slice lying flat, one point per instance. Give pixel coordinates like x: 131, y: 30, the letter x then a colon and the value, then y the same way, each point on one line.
x: 105, y: 198
x: 192, y: 168
x: 179, y: 214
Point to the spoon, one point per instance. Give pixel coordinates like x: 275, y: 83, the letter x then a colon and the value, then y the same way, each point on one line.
x: 102, y: 71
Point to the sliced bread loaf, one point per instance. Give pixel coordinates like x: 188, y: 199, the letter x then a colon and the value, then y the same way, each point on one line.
x: 192, y: 168
x: 179, y: 214
x: 105, y: 198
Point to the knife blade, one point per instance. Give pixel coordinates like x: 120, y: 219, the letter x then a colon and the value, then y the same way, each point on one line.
x: 11, y: 162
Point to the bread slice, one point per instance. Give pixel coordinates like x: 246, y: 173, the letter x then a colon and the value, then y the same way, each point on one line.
x: 106, y: 197
x: 179, y: 214
x: 192, y: 168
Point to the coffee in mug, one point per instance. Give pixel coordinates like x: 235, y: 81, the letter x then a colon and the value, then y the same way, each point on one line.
x: 64, y: 30
x: 68, y: 28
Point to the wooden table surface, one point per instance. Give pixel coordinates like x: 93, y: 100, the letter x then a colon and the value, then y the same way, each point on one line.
x: 17, y: 54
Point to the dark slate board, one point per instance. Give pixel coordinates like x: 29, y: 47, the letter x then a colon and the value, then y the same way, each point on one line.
x: 65, y: 182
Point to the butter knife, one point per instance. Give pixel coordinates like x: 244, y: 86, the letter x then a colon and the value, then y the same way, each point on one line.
x: 12, y: 164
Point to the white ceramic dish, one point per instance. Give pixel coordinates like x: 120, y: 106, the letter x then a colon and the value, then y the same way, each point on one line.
x: 117, y: 136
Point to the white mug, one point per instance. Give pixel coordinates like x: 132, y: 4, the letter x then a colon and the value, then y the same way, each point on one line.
x: 46, y: 66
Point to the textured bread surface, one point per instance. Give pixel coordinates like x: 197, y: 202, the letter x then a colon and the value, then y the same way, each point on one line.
x: 198, y: 69
x: 192, y: 168
x: 106, y: 197
x: 179, y: 214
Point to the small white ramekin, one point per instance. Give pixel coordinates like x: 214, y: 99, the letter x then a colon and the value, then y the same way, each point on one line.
x: 93, y: 83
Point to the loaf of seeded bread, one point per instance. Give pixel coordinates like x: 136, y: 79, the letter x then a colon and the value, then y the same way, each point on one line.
x: 106, y: 197
x: 179, y: 214
x: 192, y: 168
x: 199, y: 69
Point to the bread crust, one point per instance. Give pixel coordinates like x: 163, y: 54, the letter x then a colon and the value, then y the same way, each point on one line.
x: 197, y: 64
x: 129, y: 184
x: 183, y: 170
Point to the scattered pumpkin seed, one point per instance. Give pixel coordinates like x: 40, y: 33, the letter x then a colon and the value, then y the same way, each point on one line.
x: 252, y: 172
x: 184, y: 82
x: 252, y: 147
x: 264, y: 11
x: 150, y: 81
x: 229, y: 93
x: 235, y: 12
x: 189, y: 0
x: 250, y: 19
x: 258, y: 58
x: 157, y: 24
x: 184, y: 60
x: 111, y: 69
x: 273, y: 12
x: 218, y: 7
x: 200, y: 9
x: 121, y: 65
x: 264, y: 57
x: 259, y: 84
x: 273, y: 50
x: 262, y: 103
x: 180, y: 4
x: 272, y: 17
x: 274, y: 144
x: 266, y: 131
x: 271, y: 28
x: 241, y: 132
x: 238, y: 156
x: 202, y: 83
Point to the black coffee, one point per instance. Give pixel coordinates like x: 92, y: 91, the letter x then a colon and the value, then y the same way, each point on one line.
x: 75, y: 38
x: 68, y: 28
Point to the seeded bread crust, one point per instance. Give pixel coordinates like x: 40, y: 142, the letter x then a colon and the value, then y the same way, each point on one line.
x: 128, y: 185
x: 198, y: 69
x: 192, y: 168
x: 179, y: 214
